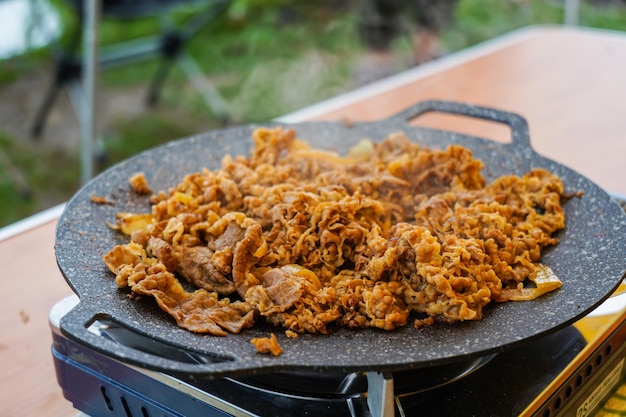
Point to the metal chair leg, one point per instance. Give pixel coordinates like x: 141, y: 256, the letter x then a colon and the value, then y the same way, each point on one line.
x: 170, y: 46
x: 68, y: 69
x: 207, y: 91
x: 158, y: 81
x: 44, y: 110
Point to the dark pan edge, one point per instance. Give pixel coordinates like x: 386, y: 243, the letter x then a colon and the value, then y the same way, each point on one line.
x: 81, y: 213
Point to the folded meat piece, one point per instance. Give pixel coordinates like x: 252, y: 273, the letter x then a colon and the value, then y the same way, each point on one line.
x: 198, y: 311
x: 245, y: 237
x: 199, y: 265
x: 292, y: 296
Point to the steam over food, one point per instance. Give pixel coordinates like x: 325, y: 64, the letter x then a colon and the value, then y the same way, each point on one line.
x: 305, y: 239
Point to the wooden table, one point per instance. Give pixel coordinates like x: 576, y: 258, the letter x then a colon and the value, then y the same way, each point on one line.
x: 568, y: 83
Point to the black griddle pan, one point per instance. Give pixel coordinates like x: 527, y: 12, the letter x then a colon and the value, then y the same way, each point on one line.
x: 590, y: 260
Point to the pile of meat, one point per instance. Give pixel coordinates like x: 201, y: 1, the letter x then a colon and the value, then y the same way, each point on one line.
x: 390, y: 234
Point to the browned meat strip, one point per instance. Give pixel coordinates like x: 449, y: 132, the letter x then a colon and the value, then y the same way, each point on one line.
x: 199, y: 311
x: 267, y: 345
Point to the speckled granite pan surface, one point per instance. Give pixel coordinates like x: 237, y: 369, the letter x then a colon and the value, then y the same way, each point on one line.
x: 590, y: 260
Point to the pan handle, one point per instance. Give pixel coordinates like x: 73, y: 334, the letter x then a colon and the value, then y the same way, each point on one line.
x: 518, y: 125
x: 76, y: 326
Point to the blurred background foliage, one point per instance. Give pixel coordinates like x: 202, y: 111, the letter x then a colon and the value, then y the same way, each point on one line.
x: 265, y: 57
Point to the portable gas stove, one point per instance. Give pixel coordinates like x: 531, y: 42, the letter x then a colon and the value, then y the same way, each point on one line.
x: 558, y: 356
x: 568, y: 373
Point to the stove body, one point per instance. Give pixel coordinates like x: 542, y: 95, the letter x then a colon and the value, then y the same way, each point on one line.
x: 568, y: 373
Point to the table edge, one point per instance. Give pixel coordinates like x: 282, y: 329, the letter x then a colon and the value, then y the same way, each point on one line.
x: 31, y: 222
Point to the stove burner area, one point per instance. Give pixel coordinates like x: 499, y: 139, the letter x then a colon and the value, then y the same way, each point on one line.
x: 501, y: 384
x: 379, y: 389
x: 101, y: 386
x: 318, y: 385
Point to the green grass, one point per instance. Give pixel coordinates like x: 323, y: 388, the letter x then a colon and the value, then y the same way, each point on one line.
x: 28, y: 184
x: 264, y: 59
